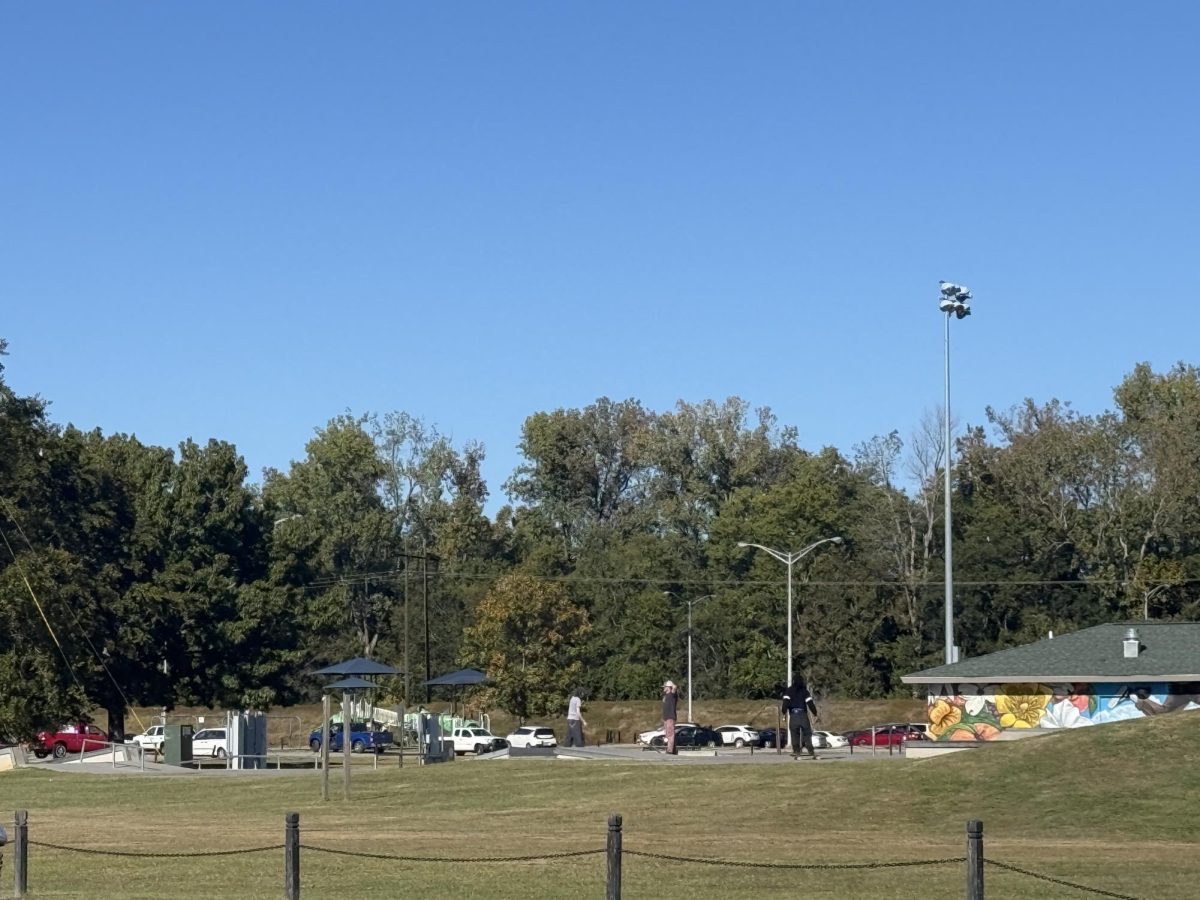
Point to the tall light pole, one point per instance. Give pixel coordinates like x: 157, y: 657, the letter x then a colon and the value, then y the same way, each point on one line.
x: 955, y: 304
x: 789, y: 560
x: 690, y: 604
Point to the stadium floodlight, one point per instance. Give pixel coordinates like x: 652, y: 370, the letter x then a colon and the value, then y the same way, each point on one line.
x: 955, y: 302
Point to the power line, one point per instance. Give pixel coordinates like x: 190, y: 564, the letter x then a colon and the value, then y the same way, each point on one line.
x: 78, y: 624
x: 354, y: 578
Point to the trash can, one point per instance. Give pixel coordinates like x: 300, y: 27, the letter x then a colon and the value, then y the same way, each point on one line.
x: 177, y: 744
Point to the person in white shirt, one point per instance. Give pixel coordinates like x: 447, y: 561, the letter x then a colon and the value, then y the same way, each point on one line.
x: 575, y: 721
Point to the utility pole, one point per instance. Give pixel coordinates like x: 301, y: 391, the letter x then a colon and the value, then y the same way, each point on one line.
x: 407, y: 667
x: 425, y: 603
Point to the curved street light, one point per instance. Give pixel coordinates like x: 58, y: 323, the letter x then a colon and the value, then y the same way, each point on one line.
x: 789, y: 560
x: 690, y: 604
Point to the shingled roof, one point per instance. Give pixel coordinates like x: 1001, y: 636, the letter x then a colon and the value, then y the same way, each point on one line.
x: 1169, y: 651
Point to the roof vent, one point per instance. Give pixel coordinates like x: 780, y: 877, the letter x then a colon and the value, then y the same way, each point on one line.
x: 1132, y: 644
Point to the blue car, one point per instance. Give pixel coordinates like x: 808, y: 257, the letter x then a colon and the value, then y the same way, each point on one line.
x: 362, y: 739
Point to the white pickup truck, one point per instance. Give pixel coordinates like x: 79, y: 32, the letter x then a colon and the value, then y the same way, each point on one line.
x: 474, y: 740
x: 150, y: 739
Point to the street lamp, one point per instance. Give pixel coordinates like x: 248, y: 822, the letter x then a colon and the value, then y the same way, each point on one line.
x: 789, y: 560
x: 955, y: 303
x: 690, y: 604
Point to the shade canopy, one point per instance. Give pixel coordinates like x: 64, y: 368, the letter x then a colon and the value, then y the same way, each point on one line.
x: 461, y: 678
x: 358, y: 666
x: 351, y: 683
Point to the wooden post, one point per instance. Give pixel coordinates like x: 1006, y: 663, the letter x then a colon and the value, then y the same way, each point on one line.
x: 346, y: 745
x: 974, y: 860
x: 21, y: 853
x: 291, y: 856
x: 325, y: 714
x: 612, y: 890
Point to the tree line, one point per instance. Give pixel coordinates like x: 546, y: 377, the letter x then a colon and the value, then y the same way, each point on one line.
x: 140, y: 575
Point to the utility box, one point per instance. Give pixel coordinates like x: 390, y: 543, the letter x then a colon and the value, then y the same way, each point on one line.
x: 177, y: 744
x: 247, y: 740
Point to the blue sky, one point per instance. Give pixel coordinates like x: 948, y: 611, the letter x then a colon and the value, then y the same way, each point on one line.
x: 238, y: 220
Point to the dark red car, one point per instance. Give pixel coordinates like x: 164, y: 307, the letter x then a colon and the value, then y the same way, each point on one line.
x: 69, y: 739
x: 885, y: 736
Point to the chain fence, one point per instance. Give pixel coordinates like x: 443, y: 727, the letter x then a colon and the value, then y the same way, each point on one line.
x: 975, y: 860
x: 155, y: 854
x: 1100, y: 892
x: 742, y: 864
x: 533, y: 857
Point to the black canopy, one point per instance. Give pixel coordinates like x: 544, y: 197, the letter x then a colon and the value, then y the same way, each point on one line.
x: 351, y: 683
x: 359, y: 666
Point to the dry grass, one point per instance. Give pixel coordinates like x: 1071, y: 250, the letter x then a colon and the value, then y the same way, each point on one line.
x: 1111, y: 807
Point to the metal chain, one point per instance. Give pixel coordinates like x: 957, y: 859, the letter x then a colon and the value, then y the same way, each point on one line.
x: 767, y: 865
x: 1071, y: 884
x: 454, y: 859
x: 97, y: 852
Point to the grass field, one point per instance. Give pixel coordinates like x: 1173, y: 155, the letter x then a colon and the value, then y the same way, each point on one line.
x: 1111, y: 806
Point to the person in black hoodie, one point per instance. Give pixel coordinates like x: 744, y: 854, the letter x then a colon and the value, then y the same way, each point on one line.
x: 797, y: 704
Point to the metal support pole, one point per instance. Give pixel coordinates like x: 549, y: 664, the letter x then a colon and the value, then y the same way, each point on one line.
x: 949, y: 603
x: 690, y: 719
x: 974, y: 860
x: 326, y: 712
x: 789, y: 659
x: 291, y: 856
x: 21, y: 854
x: 407, y: 667
x: 612, y: 889
x: 345, y: 745
x: 425, y: 604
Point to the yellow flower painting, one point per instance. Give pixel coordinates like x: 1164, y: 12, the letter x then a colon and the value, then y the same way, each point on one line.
x: 943, y: 715
x: 1022, y: 705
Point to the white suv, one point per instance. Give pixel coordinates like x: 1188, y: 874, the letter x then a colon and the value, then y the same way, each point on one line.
x: 532, y: 736
x: 737, y: 735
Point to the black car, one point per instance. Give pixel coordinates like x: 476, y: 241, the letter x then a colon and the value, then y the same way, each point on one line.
x: 690, y: 736
x: 767, y: 737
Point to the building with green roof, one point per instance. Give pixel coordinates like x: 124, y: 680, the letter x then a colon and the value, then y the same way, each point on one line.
x: 1100, y: 674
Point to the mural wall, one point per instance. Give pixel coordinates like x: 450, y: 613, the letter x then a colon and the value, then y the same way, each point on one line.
x: 981, y: 712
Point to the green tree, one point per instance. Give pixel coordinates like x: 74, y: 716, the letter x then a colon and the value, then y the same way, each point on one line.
x: 528, y: 636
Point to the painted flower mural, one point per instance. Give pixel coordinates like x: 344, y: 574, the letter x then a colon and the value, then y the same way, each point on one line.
x: 943, y: 715
x: 973, y: 712
x: 1022, y: 705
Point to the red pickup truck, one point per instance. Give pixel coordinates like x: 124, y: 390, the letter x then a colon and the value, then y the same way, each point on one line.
x: 69, y: 739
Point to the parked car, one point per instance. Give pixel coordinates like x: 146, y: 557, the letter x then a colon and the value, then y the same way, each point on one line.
x: 885, y: 736
x: 737, y: 735
x: 362, y: 738
x: 690, y: 736
x: 210, y: 742
x: 822, y: 740
x: 475, y: 740
x: 829, y: 740
x: 646, y: 737
x: 69, y: 739
x: 532, y: 736
x: 917, y: 731
x: 150, y: 739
